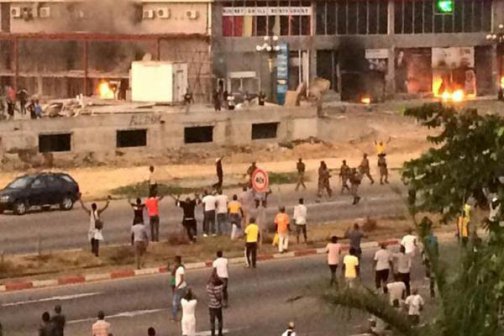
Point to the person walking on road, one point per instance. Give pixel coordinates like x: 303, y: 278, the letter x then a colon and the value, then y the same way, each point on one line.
x: 209, y: 205
x: 179, y: 285
x: 382, y: 166
x: 139, y: 240
x: 138, y: 211
x: 189, y: 218
x: 432, y: 245
x: 235, y: 215
x: 323, y: 180
x: 188, y: 321
x: 222, y: 212
x: 403, y: 262
x: 58, y: 320
x: 410, y: 243
x: 153, y: 185
x: 152, y: 205
x: 95, y: 232
x: 259, y: 213
x: 415, y: 305
x: 290, y: 330
x: 246, y: 199
x: 382, y: 265
x: 220, y: 265
x: 396, y: 289
x: 355, y: 181
x: 214, y: 290
x: 301, y: 168
x: 333, y: 250
x: 46, y: 326
x: 351, y: 268
x: 355, y: 236
x: 364, y: 168
x: 344, y: 174
x: 251, y: 240
x: 101, y: 327
x: 282, y: 223
x: 299, y: 217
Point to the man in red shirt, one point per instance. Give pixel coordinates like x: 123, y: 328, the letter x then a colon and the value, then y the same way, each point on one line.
x: 152, y: 205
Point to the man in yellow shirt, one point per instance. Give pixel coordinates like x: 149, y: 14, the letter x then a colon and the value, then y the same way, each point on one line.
x: 351, y: 268
x: 251, y: 238
x: 235, y: 215
x: 463, y: 224
x: 282, y: 222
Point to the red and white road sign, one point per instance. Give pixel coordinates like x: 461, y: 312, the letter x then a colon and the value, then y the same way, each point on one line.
x: 260, y: 180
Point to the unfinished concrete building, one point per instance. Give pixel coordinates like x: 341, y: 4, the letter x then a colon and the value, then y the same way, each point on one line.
x: 62, y: 48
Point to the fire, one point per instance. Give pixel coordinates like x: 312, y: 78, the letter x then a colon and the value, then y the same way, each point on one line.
x: 458, y: 96
x: 105, y: 91
x: 502, y: 82
x: 366, y: 100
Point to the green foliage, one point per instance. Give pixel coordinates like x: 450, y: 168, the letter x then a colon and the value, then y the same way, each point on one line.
x: 468, y: 156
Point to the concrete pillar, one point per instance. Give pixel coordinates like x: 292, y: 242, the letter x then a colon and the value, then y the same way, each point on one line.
x: 390, y: 88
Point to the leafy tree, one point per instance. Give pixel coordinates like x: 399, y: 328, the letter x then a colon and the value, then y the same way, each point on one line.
x: 466, y: 161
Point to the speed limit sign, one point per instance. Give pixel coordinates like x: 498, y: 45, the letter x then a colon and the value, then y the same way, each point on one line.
x: 260, y: 180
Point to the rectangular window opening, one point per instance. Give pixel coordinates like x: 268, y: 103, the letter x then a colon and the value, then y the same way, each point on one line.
x: 199, y: 134
x: 131, y: 138
x: 264, y: 131
x: 55, y: 142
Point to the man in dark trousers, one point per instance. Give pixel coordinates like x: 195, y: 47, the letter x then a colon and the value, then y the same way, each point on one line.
x: 46, y: 327
x: 189, y: 219
x: 58, y: 320
x: 215, y: 298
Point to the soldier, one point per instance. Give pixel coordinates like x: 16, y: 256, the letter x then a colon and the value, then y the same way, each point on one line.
x: 301, y: 172
x: 382, y: 166
x: 344, y: 175
x: 364, y: 168
x: 250, y: 171
x: 323, y: 180
x: 355, y: 181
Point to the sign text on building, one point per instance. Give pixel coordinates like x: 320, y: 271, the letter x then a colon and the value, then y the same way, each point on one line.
x: 266, y: 11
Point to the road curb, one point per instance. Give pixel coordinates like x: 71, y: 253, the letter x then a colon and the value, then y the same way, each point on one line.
x: 130, y: 273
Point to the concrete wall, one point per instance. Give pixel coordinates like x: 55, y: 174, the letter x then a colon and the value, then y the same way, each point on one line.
x: 119, y: 18
x: 164, y: 130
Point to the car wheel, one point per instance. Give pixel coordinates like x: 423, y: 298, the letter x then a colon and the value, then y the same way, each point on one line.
x: 67, y: 203
x: 20, y: 208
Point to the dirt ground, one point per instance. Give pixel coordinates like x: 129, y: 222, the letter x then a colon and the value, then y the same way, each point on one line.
x: 345, y: 136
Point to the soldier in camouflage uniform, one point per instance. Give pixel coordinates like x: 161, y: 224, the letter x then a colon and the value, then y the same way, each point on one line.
x: 323, y: 180
x: 364, y: 168
x: 345, y: 176
x: 355, y: 181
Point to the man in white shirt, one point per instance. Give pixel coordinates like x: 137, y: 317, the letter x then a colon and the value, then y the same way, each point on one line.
x: 222, y: 209
x: 409, y: 242
x: 209, y: 205
x: 396, y: 290
x: 100, y: 327
x: 220, y: 266
x: 180, y: 286
x: 382, y: 265
x: 300, y: 212
x: 415, y: 305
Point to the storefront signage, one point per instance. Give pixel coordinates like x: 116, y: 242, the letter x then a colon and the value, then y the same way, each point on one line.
x: 282, y: 72
x: 376, y: 53
x: 266, y: 11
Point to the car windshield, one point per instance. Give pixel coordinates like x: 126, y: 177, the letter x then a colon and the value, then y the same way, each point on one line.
x: 20, y: 183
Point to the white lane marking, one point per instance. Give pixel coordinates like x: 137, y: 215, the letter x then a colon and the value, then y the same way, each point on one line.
x: 119, y: 315
x: 53, y: 298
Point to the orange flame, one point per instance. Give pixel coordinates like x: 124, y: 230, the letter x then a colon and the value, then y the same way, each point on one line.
x: 105, y: 91
x: 366, y: 100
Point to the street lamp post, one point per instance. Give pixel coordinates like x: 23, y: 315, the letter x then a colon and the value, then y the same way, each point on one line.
x: 271, y: 47
x: 497, y: 38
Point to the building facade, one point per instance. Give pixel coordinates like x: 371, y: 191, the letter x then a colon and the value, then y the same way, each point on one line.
x: 62, y: 48
x: 410, y: 47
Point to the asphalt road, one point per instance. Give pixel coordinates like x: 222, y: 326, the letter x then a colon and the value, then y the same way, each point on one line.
x: 53, y: 230
x: 262, y: 302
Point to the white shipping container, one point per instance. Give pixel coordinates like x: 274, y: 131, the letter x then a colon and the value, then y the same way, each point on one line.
x: 158, y: 82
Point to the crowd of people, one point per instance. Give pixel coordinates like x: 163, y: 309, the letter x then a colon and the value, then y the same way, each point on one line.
x: 19, y: 101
